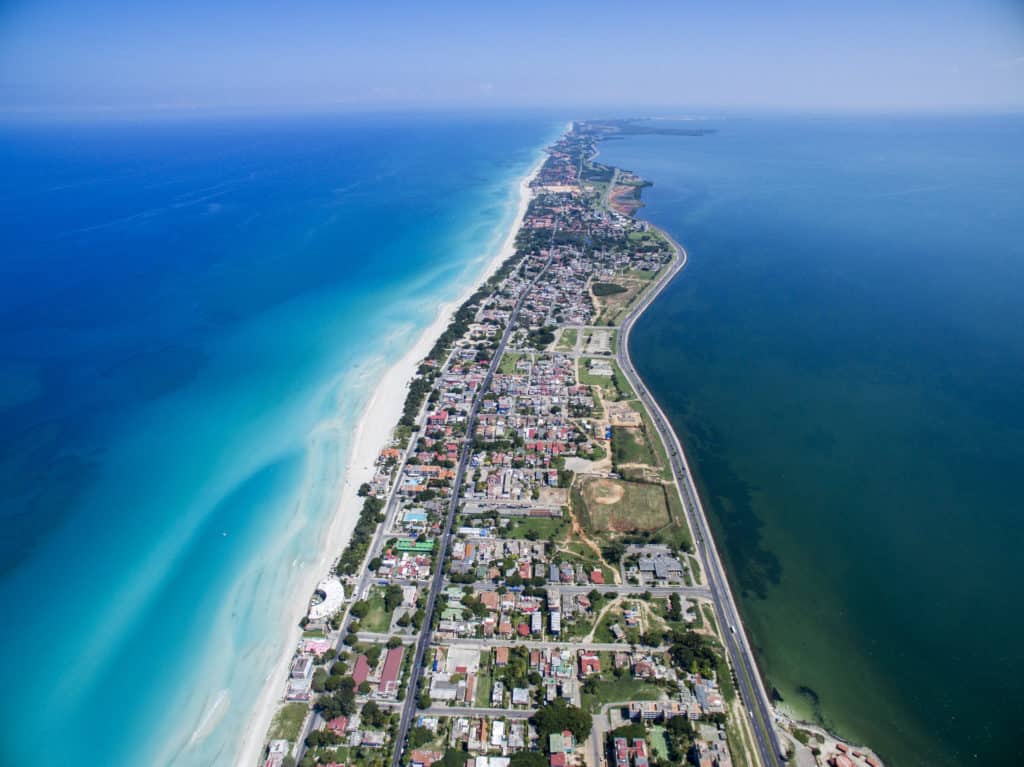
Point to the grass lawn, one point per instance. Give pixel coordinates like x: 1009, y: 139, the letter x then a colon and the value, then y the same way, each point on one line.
x: 656, y: 737
x: 614, y: 505
x: 377, y: 619
x: 603, y: 633
x: 287, y: 722
x: 631, y: 446
x: 709, y: 616
x: 567, y: 340
x: 578, y: 627
x: 640, y: 274
x: 612, y: 307
x: 698, y: 622
x: 737, y: 746
x: 507, y: 366
x: 588, y: 378
x: 653, y: 439
x: 625, y: 390
x: 679, y: 532
x: 619, y: 690
x: 694, y: 567
x: 543, y: 528
x: 484, y: 680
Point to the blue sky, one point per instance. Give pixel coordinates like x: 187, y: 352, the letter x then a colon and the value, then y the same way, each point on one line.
x: 823, y: 56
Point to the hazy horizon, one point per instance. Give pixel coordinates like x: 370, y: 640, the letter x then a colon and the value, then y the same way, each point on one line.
x: 111, y: 56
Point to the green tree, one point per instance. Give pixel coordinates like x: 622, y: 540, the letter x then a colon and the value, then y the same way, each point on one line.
x: 419, y: 736
x: 392, y: 598
x: 558, y: 716
x: 528, y: 759
x: 613, y: 551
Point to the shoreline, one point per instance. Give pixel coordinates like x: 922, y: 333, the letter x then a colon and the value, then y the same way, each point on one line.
x: 783, y: 735
x: 372, y: 433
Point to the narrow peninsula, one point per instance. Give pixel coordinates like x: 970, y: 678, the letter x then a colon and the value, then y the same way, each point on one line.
x: 532, y: 581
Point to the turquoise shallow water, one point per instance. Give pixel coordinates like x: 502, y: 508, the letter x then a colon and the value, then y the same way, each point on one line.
x: 193, y: 315
x: 844, y: 359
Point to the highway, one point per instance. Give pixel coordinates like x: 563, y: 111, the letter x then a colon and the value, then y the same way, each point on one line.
x: 751, y: 688
x: 416, y: 671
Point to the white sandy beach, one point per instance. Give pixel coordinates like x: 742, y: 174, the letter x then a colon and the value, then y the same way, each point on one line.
x: 372, y: 434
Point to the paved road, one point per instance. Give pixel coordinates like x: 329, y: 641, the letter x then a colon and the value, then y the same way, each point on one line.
x: 505, y: 713
x: 544, y: 644
x: 750, y: 686
x: 435, y: 588
x: 695, y: 592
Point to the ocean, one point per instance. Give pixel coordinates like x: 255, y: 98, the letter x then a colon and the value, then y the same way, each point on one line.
x: 843, y: 358
x: 193, y: 315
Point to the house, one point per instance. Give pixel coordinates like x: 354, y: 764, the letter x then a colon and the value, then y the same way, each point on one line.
x: 622, y: 751
x: 276, y: 753
x: 501, y: 656
x: 561, y: 742
x: 373, y: 738
x: 422, y: 757
x: 590, y: 663
x: 338, y: 725
x: 302, y: 667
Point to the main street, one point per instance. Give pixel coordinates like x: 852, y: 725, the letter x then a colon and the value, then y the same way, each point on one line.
x: 752, y: 690
x: 416, y: 671
x: 695, y: 592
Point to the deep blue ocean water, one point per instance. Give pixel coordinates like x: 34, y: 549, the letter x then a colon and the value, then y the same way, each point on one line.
x: 193, y: 313
x: 844, y: 360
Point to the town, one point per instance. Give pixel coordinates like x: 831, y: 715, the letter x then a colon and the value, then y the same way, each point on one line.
x: 523, y: 587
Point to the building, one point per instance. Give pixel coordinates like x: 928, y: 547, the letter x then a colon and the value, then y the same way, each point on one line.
x: 327, y: 599
x: 422, y: 757
x: 276, y: 752
x: 389, y: 676
x: 361, y: 670
x: 338, y: 725
x: 590, y: 663
x: 561, y: 742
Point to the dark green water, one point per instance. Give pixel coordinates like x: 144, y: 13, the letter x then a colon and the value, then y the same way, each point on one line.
x: 844, y: 360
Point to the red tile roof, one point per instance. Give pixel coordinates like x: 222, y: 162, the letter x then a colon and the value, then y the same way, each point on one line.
x: 361, y: 670
x: 392, y: 665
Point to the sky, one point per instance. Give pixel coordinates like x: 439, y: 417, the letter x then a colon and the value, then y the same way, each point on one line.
x: 768, y: 54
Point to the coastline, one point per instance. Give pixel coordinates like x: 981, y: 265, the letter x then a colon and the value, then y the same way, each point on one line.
x: 372, y: 432
x: 785, y: 722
